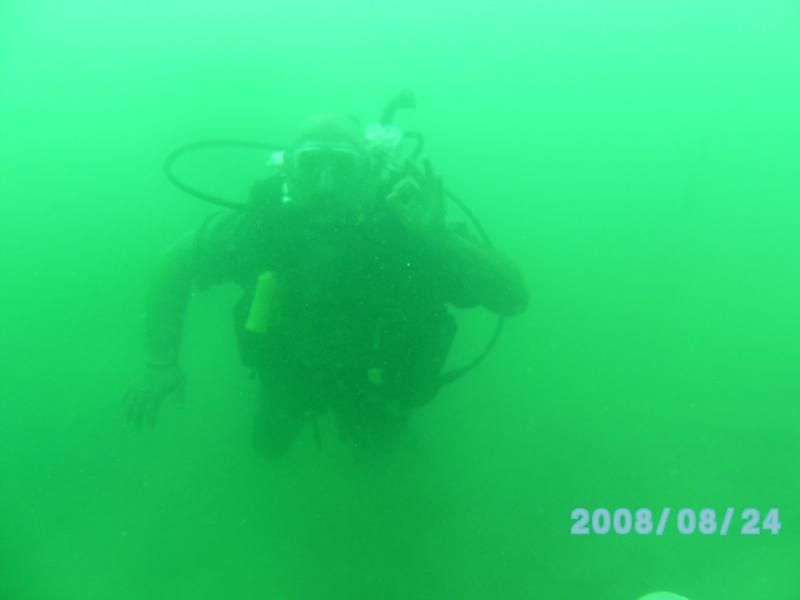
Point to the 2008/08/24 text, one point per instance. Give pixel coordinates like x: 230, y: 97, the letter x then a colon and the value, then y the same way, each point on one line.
x: 688, y: 521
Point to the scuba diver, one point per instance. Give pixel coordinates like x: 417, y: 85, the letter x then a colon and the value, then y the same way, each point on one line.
x: 346, y: 268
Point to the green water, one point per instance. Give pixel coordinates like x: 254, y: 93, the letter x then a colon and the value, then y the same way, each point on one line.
x: 640, y: 162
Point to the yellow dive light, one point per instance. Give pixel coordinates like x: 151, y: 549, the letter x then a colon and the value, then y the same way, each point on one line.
x: 262, y: 307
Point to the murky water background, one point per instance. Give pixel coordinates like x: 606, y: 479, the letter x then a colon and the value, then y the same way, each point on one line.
x: 640, y: 161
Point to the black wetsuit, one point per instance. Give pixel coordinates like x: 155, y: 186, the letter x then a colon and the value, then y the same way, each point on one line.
x: 361, y: 307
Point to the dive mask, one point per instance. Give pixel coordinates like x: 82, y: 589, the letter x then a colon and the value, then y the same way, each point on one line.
x: 327, y: 165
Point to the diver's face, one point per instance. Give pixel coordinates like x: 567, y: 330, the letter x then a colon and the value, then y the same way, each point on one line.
x: 328, y: 177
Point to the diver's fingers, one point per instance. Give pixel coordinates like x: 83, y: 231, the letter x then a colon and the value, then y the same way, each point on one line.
x: 430, y: 176
x: 180, y: 395
x: 435, y: 206
x: 144, y: 400
x: 433, y: 180
x: 130, y: 404
x: 150, y: 414
x: 408, y: 189
x: 415, y: 172
x: 402, y: 193
x: 138, y: 407
x: 127, y: 397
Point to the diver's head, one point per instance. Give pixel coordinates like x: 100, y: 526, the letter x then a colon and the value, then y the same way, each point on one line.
x: 328, y: 168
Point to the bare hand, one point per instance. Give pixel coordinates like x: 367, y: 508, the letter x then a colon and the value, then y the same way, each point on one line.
x: 417, y: 200
x: 144, y: 399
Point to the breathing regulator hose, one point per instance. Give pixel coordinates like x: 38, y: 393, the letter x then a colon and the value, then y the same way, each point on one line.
x: 403, y: 100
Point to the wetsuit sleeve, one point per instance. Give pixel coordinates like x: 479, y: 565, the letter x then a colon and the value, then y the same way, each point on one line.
x: 473, y: 274
x: 452, y: 285
x: 237, y: 246
x: 217, y: 252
